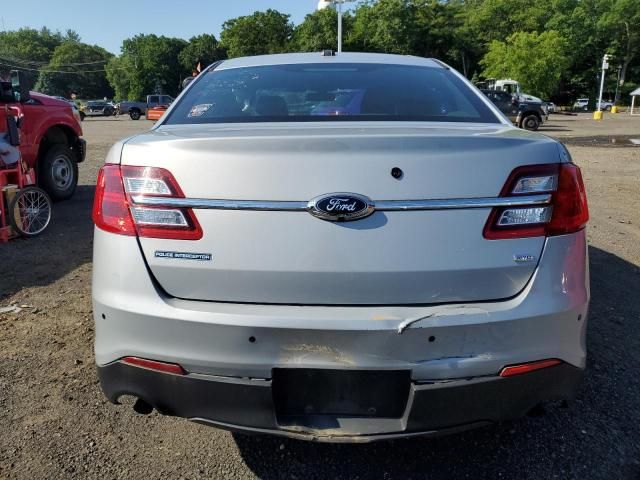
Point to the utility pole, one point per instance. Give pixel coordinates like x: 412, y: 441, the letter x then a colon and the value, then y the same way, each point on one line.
x: 322, y: 4
x: 597, y: 115
x: 605, y: 66
x: 339, y: 26
x: 615, y: 97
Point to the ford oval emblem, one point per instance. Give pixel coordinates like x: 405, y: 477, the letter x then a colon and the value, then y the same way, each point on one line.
x: 340, y: 207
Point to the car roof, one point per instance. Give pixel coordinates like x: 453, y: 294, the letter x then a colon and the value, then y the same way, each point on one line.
x: 318, y: 57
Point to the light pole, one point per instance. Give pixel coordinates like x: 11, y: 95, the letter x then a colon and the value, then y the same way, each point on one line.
x: 597, y: 115
x: 322, y: 4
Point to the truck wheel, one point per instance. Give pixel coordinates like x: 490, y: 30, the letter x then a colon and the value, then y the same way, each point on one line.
x: 134, y: 114
x: 58, y: 172
x: 531, y: 122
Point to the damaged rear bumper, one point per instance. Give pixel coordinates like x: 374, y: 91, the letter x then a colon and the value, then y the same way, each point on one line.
x: 250, y: 405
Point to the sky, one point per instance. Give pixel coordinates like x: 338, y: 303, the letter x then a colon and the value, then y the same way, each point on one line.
x: 108, y: 22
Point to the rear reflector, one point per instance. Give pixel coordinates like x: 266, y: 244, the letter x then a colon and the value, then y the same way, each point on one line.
x: 566, y: 213
x: 163, y: 367
x: 114, y: 210
x: 528, y: 367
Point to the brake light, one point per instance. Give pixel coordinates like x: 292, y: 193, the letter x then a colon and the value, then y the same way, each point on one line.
x: 115, y: 211
x: 110, y: 206
x: 567, y: 212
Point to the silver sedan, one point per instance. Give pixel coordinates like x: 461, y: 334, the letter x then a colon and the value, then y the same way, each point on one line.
x: 339, y: 247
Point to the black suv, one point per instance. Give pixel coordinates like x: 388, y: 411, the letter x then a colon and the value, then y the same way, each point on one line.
x: 527, y: 115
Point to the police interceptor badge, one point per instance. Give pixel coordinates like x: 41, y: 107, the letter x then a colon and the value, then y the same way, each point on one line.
x: 203, y: 257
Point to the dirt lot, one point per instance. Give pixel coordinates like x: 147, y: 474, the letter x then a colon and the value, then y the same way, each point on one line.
x: 55, y: 423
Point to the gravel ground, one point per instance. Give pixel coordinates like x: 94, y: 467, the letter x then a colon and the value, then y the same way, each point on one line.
x: 55, y: 423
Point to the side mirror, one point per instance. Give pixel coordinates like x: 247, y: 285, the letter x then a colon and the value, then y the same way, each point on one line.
x: 21, y: 86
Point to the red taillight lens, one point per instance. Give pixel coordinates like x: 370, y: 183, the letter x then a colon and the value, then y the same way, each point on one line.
x: 566, y: 213
x: 110, y: 206
x: 115, y: 210
x: 570, y: 208
x: 528, y: 367
x: 163, y: 367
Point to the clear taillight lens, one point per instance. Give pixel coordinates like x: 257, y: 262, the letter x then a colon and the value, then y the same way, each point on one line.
x: 116, y: 212
x: 567, y: 211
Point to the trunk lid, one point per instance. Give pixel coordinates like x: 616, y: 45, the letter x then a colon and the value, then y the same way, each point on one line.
x: 291, y: 257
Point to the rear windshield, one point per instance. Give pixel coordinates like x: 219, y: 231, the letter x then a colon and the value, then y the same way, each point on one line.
x: 321, y: 92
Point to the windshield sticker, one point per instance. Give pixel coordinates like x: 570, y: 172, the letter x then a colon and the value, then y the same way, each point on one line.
x: 199, y: 110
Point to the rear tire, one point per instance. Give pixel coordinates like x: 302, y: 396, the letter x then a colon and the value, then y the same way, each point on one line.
x: 134, y: 114
x: 30, y: 211
x: 58, y: 172
x: 531, y: 122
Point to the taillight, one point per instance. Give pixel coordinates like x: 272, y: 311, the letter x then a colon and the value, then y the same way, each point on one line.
x: 566, y: 212
x: 110, y: 206
x: 114, y: 209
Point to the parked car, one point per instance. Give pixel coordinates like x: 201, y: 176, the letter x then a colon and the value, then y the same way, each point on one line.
x: 583, y: 104
x: 444, y: 286
x: 550, y: 106
x: 138, y: 109
x: 98, y: 108
x: 527, y: 115
x: 51, y: 137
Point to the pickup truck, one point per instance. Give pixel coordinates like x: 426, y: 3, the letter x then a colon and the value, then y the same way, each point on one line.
x: 137, y: 109
x: 51, y: 136
x: 527, y: 115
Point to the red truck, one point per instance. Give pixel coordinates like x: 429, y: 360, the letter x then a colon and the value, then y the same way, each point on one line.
x: 51, y: 137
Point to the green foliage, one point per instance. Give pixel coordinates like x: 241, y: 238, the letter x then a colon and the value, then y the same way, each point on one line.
x: 537, y: 61
x: 202, y: 48
x: 319, y: 31
x: 29, y: 49
x: 389, y: 26
x: 148, y: 64
x: 257, y: 34
x: 85, y: 66
x: 498, y: 38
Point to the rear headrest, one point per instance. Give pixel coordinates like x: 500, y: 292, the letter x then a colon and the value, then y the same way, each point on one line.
x: 272, y: 106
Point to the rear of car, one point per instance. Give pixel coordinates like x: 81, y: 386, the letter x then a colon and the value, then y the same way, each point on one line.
x: 340, y: 248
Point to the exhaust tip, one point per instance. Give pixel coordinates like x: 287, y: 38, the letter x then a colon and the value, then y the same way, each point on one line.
x: 142, y: 407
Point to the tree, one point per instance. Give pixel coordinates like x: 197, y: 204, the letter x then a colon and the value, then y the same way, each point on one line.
x: 28, y: 49
x: 623, y: 21
x: 388, y: 26
x: 319, y: 30
x: 257, y: 34
x: 497, y: 19
x: 537, y: 61
x: 85, y: 66
x: 148, y: 64
x: 203, y: 49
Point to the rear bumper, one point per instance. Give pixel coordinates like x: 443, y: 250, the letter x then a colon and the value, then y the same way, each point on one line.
x: 453, y: 353
x: 249, y: 405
